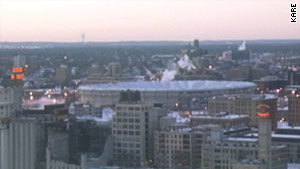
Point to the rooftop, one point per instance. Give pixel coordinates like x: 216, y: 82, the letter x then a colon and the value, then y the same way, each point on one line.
x: 107, y: 115
x: 169, y: 85
x: 290, y: 136
x: 247, y: 96
x: 242, y: 139
x: 221, y: 115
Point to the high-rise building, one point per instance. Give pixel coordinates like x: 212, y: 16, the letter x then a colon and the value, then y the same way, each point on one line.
x: 62, y: 75
x: 58, y: 144
x: 133, y: 132
x: 181, y: 148
x: 21, y: 144
x: 21, y: 139
x: 294, y: 77
x: 114, y: 68
x: 10, y: 101
x: 294, y: 110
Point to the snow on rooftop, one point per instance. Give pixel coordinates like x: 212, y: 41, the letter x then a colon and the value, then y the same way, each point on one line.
x: 291, y: 136
x: 286, y: 136
x: 107, y: 115
x: 40, y: 103
x: 293, y: 166
x: 285, y: 108
x: 246, y: 96
x: 170, y: 85
x: 242, y: 139
x: 290, y: 127
x: 220, y: 116
x: 179, y: 118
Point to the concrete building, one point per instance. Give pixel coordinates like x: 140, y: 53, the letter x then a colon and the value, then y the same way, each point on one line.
x: 285, y: 135
x: 207, y: 147
x: 294, y: 77
x: 52, y: 163
x: 94, y: 69
x: 62, y: 74
x: 270, y: 83
x: 21, y: 143
x: 244, y: 105
x: 114, y: 75
x: 133, y: 130
x: 80, y: 109
x: 234, y: 151
x: 97, y: 78
x: 181, y: 148
x: 294, y: 110
x: 163, y: 93
x: 58, y: 144
x: 10, y: 101
x: 114, y: 68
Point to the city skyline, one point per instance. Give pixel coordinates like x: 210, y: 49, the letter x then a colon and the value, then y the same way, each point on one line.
x: 131, y: 20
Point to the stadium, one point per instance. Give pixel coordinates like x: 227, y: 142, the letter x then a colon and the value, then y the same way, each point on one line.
x: 162, y: 93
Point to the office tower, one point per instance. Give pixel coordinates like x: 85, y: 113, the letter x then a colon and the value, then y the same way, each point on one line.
x: 62, y: 75
x: 133, y: 128
x: 294, y: 110
x: 80, y: 109
x: 114, y: 68
x: 293, y: 77
x: 58, y: 144
x: 244, y: 104
x: 181, y: 147
x: 10, y: 101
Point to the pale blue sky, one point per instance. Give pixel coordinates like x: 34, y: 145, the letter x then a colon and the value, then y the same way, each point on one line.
x: 117, y: 20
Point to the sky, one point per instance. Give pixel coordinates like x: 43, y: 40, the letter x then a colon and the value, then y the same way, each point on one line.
x: 146, y: 20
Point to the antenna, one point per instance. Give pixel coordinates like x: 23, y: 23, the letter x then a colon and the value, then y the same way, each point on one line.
x: 83, y: 38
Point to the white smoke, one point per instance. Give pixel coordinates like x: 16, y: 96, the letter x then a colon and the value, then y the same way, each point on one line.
x: 185, y: 63
x: 149, y: 73
x: 168, y: 75
x: 242, y: 46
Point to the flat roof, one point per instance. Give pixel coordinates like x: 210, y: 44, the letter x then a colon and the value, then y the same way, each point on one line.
x: 224, y: 116
x: 245, y: 96
x: 242, y: 139
x: 290, y: 136
x: 195, y: 85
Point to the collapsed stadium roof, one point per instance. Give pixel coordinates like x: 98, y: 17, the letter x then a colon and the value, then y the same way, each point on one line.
x: 196, y: 85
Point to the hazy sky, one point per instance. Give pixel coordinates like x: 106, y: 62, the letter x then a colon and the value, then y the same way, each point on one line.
x: 123, y: 20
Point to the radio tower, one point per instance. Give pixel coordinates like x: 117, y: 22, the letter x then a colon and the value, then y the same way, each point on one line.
x: 83, y: 38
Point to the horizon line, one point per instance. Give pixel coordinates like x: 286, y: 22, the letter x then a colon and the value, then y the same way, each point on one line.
x: 140, y: 41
